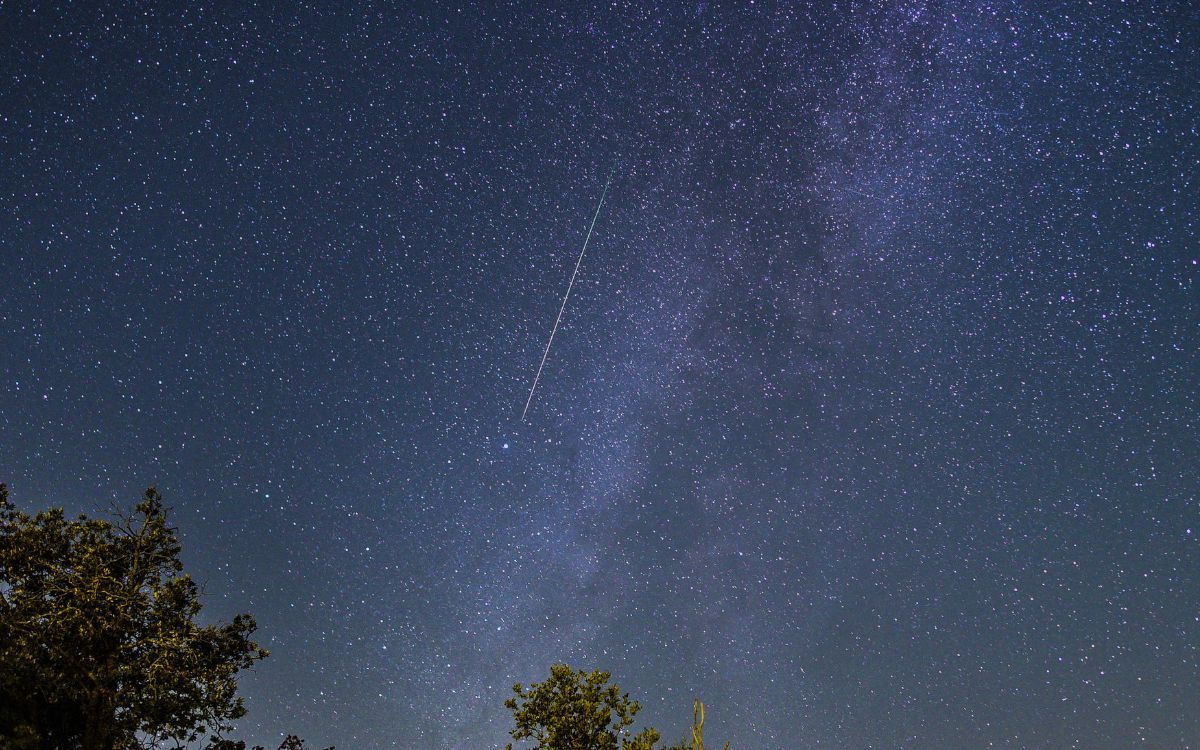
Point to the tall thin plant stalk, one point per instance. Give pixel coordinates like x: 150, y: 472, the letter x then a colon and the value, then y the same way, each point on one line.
x: 698, y: 726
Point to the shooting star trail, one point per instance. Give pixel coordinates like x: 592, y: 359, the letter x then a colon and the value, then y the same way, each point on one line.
x: 567, y: 296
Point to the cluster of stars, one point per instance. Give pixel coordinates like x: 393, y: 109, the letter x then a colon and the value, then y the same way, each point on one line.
x: 872, y: 420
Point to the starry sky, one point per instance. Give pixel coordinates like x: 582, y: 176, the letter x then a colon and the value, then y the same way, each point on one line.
x: 872, y: 419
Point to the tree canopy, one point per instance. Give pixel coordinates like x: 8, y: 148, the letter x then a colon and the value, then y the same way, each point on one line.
x: 577, y: 710
x: 99, y: 644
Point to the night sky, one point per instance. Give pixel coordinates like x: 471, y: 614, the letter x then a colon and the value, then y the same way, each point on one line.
x: 872, y: 419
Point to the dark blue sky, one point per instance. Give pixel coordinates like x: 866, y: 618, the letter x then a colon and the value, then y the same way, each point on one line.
x: 872, y: 419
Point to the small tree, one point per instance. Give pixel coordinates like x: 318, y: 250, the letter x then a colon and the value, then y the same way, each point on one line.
x: 99, y: 645
x: 574, y: 710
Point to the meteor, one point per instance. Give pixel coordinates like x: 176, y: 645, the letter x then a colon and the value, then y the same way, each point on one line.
x: 567, y: 296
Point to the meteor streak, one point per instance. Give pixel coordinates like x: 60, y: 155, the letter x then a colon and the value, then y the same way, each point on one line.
x: 567, y: 296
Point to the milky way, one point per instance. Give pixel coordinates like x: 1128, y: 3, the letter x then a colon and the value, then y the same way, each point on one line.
x: 873, y: 421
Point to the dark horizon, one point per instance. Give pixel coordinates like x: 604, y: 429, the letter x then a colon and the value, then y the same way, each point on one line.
x: 872, y: 420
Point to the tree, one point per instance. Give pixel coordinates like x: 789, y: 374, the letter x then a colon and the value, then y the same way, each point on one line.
x: 291, y: 742
x: 99, y: 645
x: 574, y: 710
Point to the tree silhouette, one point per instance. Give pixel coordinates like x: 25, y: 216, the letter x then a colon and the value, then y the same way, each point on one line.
x: 99, y: 646
x: 574, y: 710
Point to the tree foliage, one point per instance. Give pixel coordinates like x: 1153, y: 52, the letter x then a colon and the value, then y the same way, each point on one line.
x: 574, y: 710
x: 291, y: 742
x: 99, y: 644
